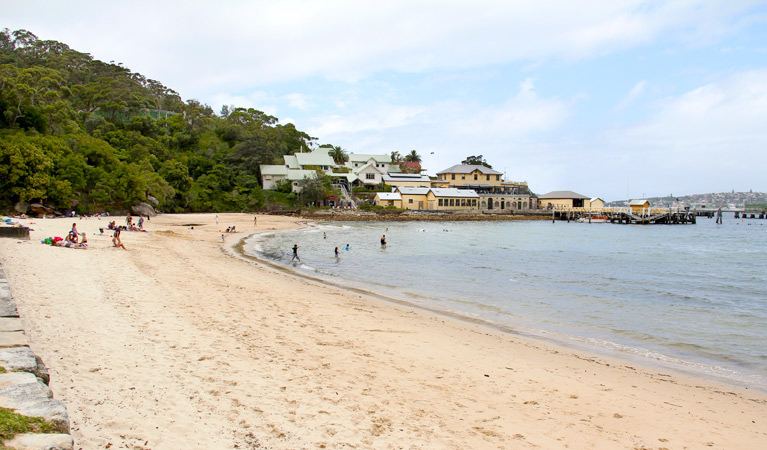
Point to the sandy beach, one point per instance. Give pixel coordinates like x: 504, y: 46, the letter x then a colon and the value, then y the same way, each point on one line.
x: 178, y: 342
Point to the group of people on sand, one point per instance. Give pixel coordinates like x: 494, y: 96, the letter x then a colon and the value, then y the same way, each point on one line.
x: 79, y: 240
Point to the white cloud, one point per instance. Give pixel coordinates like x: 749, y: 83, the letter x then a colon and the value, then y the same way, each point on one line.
x: 632, y: 96
x: 199, y: 47
x: 299, y: 101
x: 711, y: 138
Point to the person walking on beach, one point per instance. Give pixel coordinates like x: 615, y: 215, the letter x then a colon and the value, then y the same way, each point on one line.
x: 255, y: 221
x: 216, y: 219
x: 383, y: 241
x: 336, y: 252
x: 295, y: 253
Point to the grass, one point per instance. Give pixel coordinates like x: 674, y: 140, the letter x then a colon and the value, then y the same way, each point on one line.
x: 12, y: 424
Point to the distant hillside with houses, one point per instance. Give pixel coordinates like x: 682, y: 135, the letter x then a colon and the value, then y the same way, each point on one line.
x: 713, y: 200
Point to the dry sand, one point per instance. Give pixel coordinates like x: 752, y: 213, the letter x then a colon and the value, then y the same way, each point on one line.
x: 178, y: 343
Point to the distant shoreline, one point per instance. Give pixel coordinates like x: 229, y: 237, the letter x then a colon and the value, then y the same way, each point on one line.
x: 356, y: 215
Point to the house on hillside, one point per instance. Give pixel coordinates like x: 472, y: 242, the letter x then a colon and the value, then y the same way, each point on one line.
x: 380, y: 162
x: 470, y: 176
x: 296, y: 167
x: 563, y: 200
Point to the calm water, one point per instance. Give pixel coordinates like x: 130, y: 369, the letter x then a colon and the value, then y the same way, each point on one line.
x: 692, y: 297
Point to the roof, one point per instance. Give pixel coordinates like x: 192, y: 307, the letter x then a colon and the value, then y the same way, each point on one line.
x: 413, y: 190
x: 453, y: 192
x: 389, y: 196
x: 596, y: 199
x: 350, y: 177
x: 273, y: 170
x: 366, y: 166
x: 365, y: 158
x: 639, y: 202
x: 299, y: 174
x: 464, y: 168
x: 291, y: 161
x: 406, y: 177
x: 562, y: 194
x: 318, y: 157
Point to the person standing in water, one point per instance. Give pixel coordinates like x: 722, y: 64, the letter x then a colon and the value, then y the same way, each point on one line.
x: 295, y: 253
x: 336, y: 252
x: 383, y: 241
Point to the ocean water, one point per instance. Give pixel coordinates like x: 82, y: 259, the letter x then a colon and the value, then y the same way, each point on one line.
x: 687, y: 297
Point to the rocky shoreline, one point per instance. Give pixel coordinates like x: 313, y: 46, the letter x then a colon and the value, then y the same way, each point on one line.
x: 24, y: 382
x: 416, y: 215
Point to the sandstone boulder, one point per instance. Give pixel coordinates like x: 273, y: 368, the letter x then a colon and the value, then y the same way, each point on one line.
x: 41, y: 210
x: 142, y: 209
x: 41, y: 442
x: 21, y: 207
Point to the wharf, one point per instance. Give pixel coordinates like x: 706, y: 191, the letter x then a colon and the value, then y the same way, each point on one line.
x: 647, y: 216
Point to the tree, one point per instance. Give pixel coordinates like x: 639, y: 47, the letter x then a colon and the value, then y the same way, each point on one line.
x: 413, y: 156
x: 396, y: 157
x: 338, y: 154
x: 315, y: 189
x: 476, y: 161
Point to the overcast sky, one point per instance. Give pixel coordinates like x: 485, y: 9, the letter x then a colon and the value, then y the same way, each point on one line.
x: 609, y: 99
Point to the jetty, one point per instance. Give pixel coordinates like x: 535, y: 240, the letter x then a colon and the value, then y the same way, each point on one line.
x: 646, y: 216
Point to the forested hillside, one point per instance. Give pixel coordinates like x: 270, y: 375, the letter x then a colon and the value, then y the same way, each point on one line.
x: 80, y: 134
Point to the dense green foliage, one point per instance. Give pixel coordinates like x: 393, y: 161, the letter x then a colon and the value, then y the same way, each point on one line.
x: 80, y: 134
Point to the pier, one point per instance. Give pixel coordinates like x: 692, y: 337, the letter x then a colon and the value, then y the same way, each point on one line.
x: 647, y: 216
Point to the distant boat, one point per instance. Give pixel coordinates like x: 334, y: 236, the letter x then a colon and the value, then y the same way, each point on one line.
x: 594, y: 219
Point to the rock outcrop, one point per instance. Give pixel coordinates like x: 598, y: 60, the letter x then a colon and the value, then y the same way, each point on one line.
x: 142, y: 209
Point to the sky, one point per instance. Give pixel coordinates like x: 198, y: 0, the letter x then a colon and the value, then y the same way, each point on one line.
x: 613, y: 99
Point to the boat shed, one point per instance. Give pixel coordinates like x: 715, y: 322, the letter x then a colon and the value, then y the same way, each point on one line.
x: 563, y: 200
x: 638, y: 205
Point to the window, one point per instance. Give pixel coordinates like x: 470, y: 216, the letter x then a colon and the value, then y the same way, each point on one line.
x: 463, y: 202
x: 370, y: 176
x: 410, y: 200
x: 440, y: 202
x: 475, y: 177
x: 474, y: 202
x: 454, y: 176
x: 488, y: 177
x: 463, y: 177
x: 452, y: 202
x: 497, y: 178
